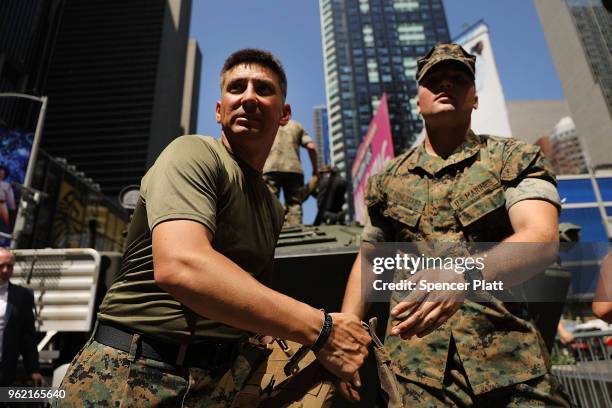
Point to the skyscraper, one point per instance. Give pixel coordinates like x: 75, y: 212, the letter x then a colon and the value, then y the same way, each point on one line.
x: 567, y: 152
x: 533, y: 119
x: 371, y: 47
x: 321, y: 133
x: 123, y: 84
x: 27, y: 38
x: 579, y: 35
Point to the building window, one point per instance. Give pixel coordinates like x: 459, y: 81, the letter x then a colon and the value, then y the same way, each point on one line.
x: 411, y: 33
x: 413, y: 107
x: 368, y: 35
x: 405, y: 5
x: 375, y: 102
x: 364, y: 6
x: 410, y: 67
x: 373, y: 70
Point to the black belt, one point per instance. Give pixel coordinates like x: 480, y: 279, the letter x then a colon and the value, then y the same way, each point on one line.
x: 211, y: 355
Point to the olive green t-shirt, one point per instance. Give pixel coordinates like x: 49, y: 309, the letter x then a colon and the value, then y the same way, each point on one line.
x: 195, y: 178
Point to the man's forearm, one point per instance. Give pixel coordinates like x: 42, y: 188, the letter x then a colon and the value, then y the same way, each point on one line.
x: 520, y: 257
x: 353, y: 300
x: 215, y: 287
x: 312, y: 154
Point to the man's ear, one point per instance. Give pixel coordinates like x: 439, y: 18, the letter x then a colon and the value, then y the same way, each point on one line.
x: 286, y: 115
x: 218, y: 112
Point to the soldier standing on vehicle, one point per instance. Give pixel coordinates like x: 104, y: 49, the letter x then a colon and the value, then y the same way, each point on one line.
x: 460, y: 187
x: 330, y: 191
x: 283, y: 169
x: 172, y: 328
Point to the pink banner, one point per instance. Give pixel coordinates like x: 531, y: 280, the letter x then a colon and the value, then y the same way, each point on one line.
x: 375, y: 150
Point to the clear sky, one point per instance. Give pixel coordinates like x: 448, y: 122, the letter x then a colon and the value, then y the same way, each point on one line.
x: 292, y: 31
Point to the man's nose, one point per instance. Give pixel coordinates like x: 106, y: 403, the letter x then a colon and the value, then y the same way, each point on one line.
x: 249, y: 97
x: 446, y: 84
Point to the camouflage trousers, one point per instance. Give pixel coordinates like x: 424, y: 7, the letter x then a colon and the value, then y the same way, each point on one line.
x: 102, y: 376
x: 292, y: 185
x: 543, y: 391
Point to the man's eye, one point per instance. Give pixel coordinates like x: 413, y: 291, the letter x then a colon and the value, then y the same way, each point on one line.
x: 432, y: 80
x: 235, y: 87
x: 264, y: 89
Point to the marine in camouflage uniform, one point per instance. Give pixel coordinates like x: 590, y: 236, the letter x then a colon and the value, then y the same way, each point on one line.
x: 283, y: 169
x: 486, y: 353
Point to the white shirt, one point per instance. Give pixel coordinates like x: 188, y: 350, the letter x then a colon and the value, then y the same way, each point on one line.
x: 3, y: 304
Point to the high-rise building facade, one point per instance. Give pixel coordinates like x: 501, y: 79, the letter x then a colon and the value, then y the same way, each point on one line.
x: 123, y: 83
x: 567, y: 153
x: 531, y: 120
x: 371, y: 47
x: 579, y: 35
x: 321, y: 133
x: 27, y: 38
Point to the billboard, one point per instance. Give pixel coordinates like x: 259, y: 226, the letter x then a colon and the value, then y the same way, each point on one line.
x: 375, y: 150
x: 15, y: 150
x: 491, y: 117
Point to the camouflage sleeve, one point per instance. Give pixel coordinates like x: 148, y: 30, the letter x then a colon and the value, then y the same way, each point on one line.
x: 377, y: 228
x: 532, y: 189
x: 305, y: 138
x: 527, y: 174
x: 522, y: 160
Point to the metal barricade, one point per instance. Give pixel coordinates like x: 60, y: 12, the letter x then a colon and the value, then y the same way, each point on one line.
x: 586, y: 372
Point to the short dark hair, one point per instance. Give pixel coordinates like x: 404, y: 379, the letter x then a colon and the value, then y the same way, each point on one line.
x: 7, y: 172
x: 259, y: 57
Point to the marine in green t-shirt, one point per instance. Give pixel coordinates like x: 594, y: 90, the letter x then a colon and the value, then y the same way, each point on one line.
x: 188, y: 180
x: 193, y: 283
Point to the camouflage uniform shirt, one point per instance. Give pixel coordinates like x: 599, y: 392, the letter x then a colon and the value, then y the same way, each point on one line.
x: 463, y: 198
x: 285, y: 155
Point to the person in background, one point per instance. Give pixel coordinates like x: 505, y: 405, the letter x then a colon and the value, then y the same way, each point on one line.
x: 7, y: 200
x: 330, y: 191
x: 17, y: 330
x: 283, y: 169
x: 602, y: 302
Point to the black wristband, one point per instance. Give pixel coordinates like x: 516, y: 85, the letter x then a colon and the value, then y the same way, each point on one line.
x: 324, y: 334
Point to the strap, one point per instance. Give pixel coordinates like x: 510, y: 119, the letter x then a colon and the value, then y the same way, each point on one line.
x: 324, y: 334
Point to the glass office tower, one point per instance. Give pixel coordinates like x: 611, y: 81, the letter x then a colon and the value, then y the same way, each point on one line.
x: 579, y: 35
x: 371, y: 47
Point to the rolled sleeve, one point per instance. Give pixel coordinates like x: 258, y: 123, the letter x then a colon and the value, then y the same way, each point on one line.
x: 532, y: 189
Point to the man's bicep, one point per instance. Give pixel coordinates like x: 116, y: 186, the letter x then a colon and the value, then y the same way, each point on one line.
x: 535, y: 215
x: 178, y: 241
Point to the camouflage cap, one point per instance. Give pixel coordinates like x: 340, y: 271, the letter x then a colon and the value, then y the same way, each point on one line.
x: 445, y: 52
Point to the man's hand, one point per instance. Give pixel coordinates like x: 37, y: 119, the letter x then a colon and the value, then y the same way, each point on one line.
x: 311, y: 186
x: 348, y: 390
x: 37, y: 380
x: 346, y: 349
x: 421, y: 312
